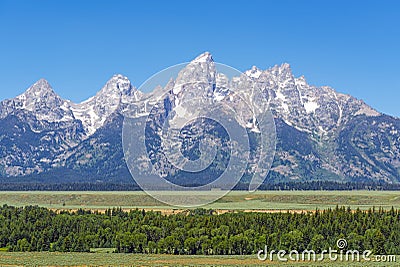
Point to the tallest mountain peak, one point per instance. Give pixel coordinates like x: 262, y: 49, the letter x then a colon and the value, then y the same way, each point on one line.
x: 205, y: 57
x: 285, y: 66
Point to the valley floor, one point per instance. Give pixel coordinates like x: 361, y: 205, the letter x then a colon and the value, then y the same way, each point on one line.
x: 261, y: 201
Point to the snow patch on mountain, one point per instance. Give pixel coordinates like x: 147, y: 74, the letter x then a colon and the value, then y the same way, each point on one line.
x: 311, y: 106
x: 96, y: 110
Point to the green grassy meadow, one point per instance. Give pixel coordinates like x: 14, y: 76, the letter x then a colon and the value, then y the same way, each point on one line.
x: 113, y: 259
x: 236, y: 200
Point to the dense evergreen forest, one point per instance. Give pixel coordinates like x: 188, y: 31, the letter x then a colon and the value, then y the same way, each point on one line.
x: 99, y: 186
x: 196, y: 231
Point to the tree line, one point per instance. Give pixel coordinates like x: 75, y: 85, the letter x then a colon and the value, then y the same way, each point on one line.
x: 107, y: 186
x: 196, y: 231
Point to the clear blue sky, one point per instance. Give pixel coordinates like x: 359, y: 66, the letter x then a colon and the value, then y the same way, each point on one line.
x: 353, y: 46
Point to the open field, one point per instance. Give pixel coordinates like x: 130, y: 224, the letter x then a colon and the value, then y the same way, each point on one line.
x: 258, y: 201
x: 111, y: 259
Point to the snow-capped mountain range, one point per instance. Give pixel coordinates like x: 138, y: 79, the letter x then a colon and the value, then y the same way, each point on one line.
x: 321, y: 134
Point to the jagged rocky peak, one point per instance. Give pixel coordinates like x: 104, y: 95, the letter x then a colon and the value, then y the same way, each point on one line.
x: 206, y: 57
x: 201, y: 71
x: 284, y: 68
x: 283, y: 72
x: 42, y: 101
x: 42, y: 85
x: 95, y: 111
x: 118, y: 85
x: 39, y: 91
x: 254, y: 72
